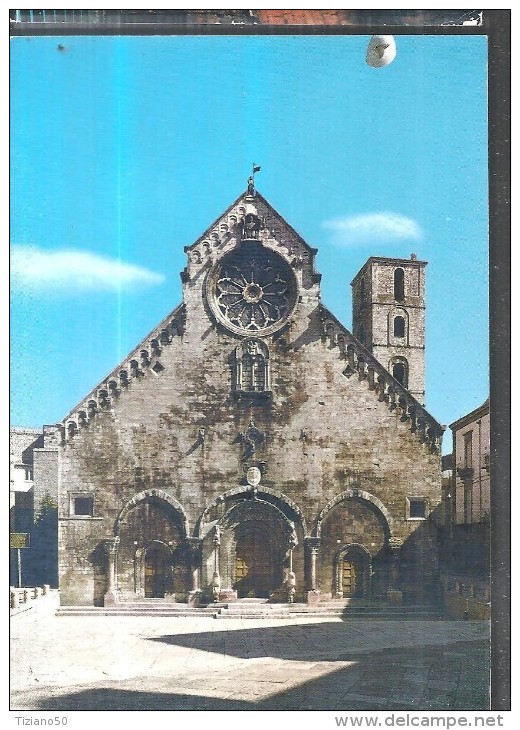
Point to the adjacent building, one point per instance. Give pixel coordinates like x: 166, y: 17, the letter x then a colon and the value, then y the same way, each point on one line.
x: 471, y: 450
x: 465, y: 556
x: 33, y: 492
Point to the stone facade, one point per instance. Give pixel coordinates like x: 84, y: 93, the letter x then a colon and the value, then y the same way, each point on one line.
x: 250, y: 446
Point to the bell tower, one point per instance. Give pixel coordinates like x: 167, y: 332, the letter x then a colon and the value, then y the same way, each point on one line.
x: 388, y: 317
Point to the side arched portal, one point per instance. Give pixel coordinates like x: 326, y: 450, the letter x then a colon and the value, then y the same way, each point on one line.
x: 152, y: 558
x: 353, y: 557
x: 352, y: 572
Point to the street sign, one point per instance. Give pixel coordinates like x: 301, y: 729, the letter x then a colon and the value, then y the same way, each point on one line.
x: 20, y: 540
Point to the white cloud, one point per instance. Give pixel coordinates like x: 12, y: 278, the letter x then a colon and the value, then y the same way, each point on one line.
x: 350, y: 230
x: 33, y: 269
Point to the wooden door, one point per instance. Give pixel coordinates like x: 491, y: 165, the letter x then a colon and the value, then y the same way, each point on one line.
x: 253, y: 566
x: 348, y: 581
x: 155, y: 572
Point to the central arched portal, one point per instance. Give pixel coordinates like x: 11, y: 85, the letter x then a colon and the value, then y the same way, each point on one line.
x: 254, y: 569
x: 251, y: 548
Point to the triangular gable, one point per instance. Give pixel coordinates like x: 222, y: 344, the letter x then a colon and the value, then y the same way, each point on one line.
x: 222, y: 226
x: 146, y: 355
x: 220, y: 237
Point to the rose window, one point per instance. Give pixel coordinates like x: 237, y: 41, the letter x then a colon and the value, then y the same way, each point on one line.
x: 252, y: 290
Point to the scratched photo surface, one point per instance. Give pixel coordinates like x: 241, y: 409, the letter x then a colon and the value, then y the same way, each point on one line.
x: 250, y: 461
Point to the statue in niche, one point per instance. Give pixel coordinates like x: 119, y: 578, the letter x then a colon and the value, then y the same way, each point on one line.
x: 252, y: 224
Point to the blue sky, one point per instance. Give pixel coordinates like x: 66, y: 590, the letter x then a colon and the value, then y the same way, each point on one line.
x: 124, y: 150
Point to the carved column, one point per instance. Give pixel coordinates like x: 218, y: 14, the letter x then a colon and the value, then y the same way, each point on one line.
x: 110, y: 546
x: 313, y: 544
x: 394, y: 593
x: 350, y: 357
x: 195, y: 555
x: 215, y: 583
x: 290, y: 579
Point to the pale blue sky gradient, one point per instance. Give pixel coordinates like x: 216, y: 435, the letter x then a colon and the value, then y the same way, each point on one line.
x: 125, y: 149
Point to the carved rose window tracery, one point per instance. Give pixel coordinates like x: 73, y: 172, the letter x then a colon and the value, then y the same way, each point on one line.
x: 253, y: 290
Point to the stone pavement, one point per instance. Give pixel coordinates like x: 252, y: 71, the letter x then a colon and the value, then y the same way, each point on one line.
x: 160, y: 663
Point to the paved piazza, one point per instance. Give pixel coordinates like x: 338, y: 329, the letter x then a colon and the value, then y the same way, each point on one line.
x: 161, y: 663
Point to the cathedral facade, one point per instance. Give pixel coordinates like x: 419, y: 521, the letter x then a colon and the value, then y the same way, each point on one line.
x: 251, y: 446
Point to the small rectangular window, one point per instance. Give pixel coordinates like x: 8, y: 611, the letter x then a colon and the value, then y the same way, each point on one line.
x: 417, y: 508
x: 28, y: 474
x: 83, y: 506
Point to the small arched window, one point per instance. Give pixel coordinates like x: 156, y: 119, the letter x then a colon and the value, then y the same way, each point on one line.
x: 253, y: 373
x: 400, y: 372
x: 252, y: 367
x: 361, y: 334
x: 399, y: 326
x: 399, y: 285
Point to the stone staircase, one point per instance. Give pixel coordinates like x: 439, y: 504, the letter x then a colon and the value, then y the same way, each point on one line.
x: 148, y: 607
x: 340, y: 608
x: 253, y: 608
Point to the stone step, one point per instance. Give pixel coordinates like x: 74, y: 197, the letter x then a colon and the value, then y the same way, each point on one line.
x: 137, y: 610
x: 240, y: 610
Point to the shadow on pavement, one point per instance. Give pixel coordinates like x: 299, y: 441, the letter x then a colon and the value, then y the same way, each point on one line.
x: 131, y: 700
x: 318, y: 641
x: 450, y: 677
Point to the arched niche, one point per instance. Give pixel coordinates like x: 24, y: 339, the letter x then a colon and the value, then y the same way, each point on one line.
x: 152, y: 555
x: 358, y: 521
x: 157, y: 496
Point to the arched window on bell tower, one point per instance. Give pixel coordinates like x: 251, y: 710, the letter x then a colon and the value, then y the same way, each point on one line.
x: 251, y: 371
x: 398, y: 285
x: 399, y: 326
x: 399, y: 370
